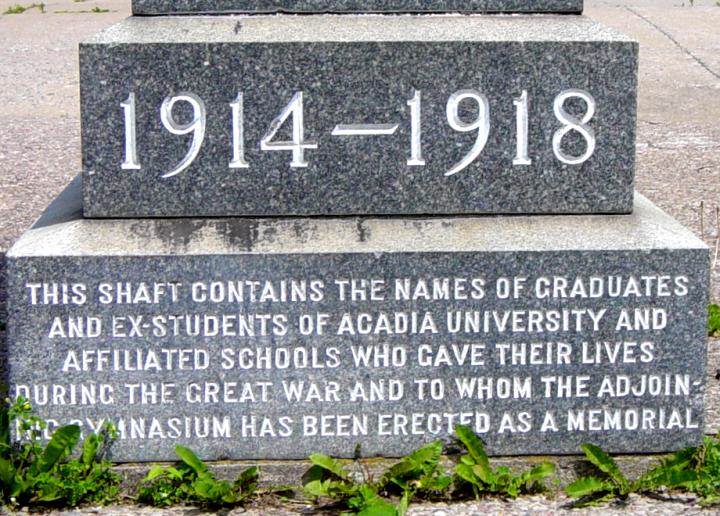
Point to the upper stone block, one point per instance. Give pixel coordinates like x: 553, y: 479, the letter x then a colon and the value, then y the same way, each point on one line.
x: 159, y: 7
x: 358, y: 115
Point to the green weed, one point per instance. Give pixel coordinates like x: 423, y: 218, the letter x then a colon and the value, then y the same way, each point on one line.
x: 19, y: 9
x: 327, y: 478
x: 475, y: 473
x: 191, y: 482
x: 714, y: 320
x: 704, y: 462
x: 33, y: 474
x: 418, y: 474
x: 611, y: 484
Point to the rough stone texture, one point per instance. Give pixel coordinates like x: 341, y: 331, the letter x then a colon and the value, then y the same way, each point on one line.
x: 665, y: 505
x: 712, y: 393
x: 660, y: 505
x: 64, y: 248
x: 153, y: 7
x: 356, y: 70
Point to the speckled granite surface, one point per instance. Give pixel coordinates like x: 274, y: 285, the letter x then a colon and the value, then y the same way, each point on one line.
x: 121, y: 274
x: 357, y: 70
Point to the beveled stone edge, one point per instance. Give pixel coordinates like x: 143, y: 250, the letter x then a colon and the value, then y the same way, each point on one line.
x: 289, y: 472
x: 357, y: 28
x: 62, y: 231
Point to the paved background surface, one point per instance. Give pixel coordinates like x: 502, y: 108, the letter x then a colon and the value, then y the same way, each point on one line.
x: 678, y: 138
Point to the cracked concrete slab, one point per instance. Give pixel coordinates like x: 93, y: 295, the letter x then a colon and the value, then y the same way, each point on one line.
x: 678, y: 135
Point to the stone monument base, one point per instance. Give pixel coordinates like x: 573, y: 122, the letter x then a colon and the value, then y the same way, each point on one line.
x: 276, y: 338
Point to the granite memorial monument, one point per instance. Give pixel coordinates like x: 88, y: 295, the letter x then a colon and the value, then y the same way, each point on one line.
x: 276, y: 329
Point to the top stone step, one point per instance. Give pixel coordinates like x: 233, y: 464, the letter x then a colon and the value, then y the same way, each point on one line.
x: 165, y: 7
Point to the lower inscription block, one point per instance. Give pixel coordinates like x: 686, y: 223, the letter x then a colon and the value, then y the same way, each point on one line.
x: 273, y: 339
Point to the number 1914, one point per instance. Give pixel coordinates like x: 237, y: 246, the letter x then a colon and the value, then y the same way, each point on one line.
x: 299, y: 145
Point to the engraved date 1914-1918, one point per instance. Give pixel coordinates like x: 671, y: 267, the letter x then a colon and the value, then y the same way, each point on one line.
x: 298, y: 145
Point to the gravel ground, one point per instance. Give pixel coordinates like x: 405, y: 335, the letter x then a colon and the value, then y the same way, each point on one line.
x: 678, y: 152
x: 541, y: 505
x: 639, y: 505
